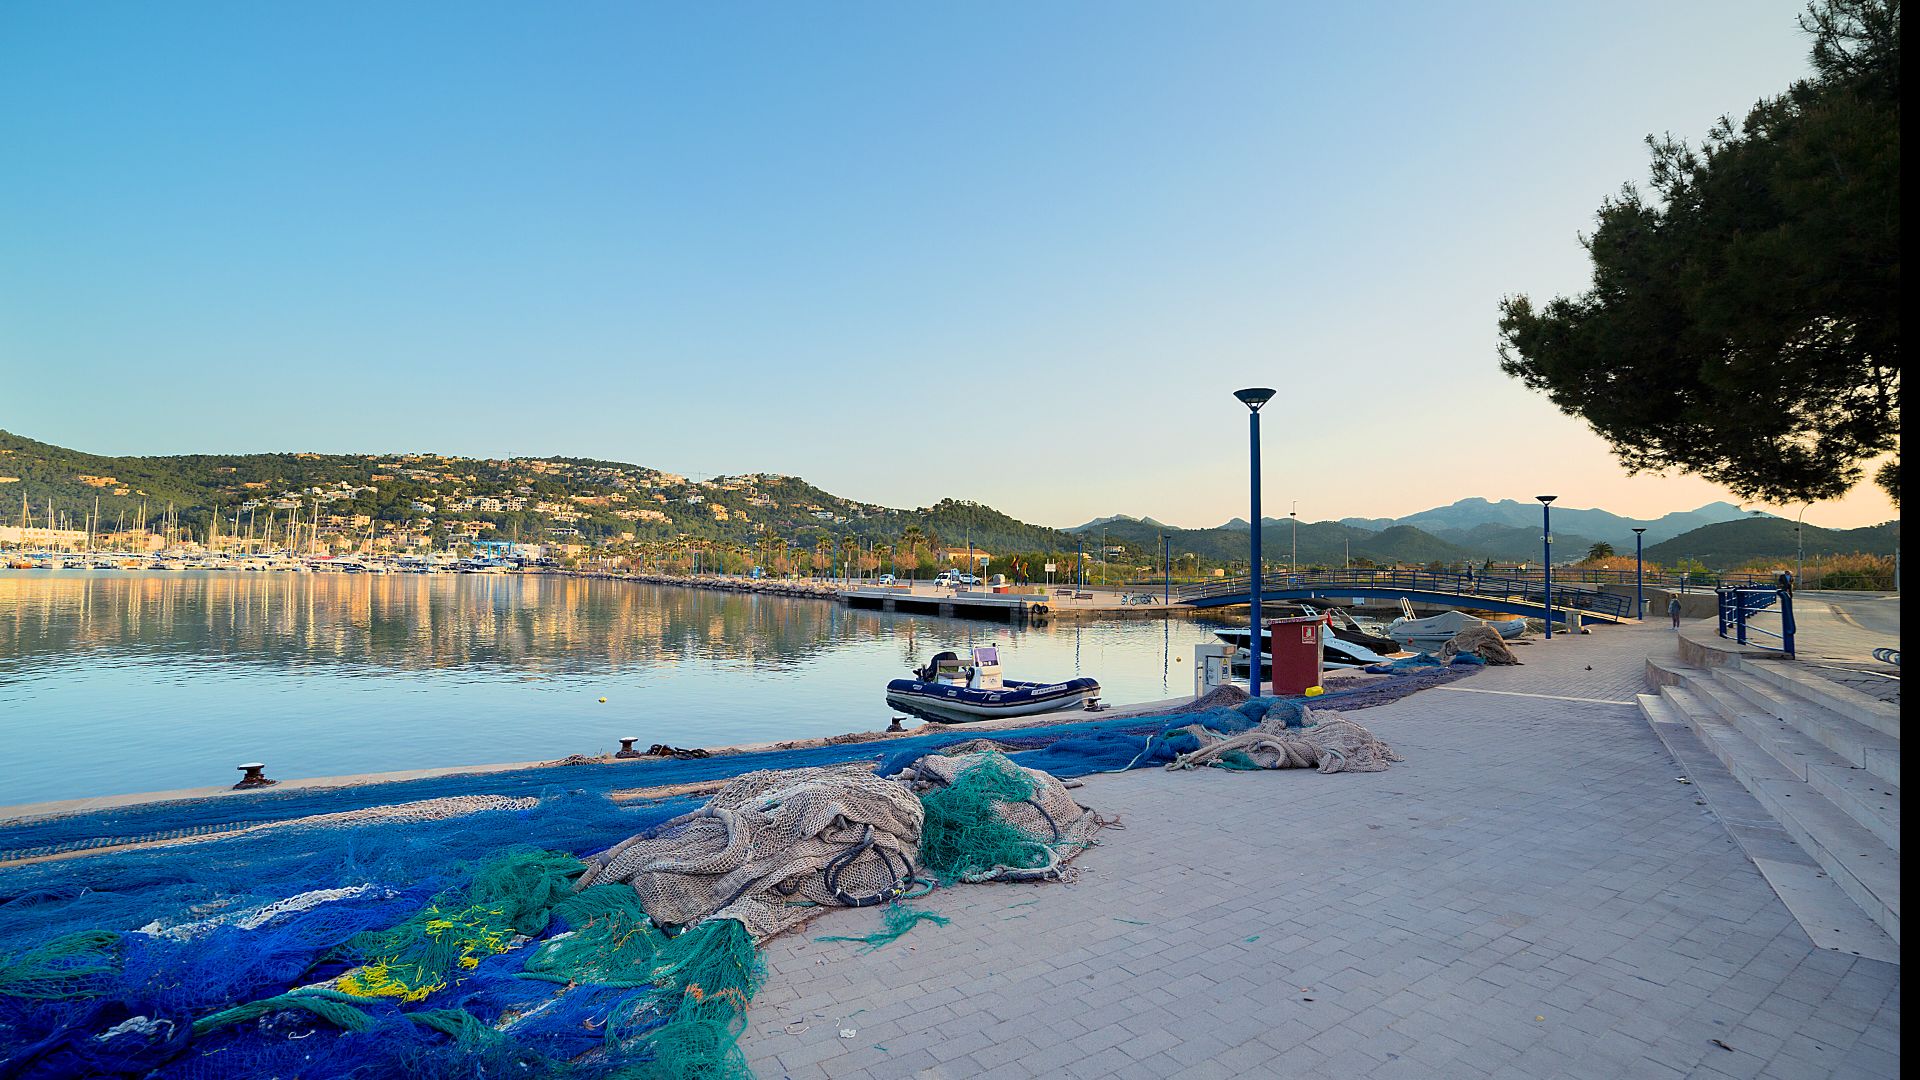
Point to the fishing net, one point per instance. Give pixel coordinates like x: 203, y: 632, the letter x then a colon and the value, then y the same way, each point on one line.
x: 1480, y: 641
x: 408, y: 929
x: 1406, y: 664
x: 771, y: 847
x: 119, y: 963
x: 899, y: 919
x: 988, y: 819
x: 1289, y: 741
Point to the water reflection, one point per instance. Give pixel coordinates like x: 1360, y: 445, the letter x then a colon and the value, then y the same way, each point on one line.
x: 389, y: 623
x: 115, y: 681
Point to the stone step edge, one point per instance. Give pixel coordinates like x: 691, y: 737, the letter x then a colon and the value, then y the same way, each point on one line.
x: 1849, y: 739
x: 1864, y: 868
x: 1834, y: 775
x: 1783, y: 743
x: 1805, y: 683
x: 1830, y: 918
x: 1768, y: 781
x: 1843, y: 788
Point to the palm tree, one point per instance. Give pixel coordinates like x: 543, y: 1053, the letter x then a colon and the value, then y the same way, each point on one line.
x: 1601, y: 550
x: 910, y: 540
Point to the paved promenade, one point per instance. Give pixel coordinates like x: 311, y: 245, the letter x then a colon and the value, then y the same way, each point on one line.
x: 1530, y: 895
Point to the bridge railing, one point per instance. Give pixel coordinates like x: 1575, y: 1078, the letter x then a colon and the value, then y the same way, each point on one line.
x: 1738, y: 606
x: 1465, y: 585
x: 1570, y: 575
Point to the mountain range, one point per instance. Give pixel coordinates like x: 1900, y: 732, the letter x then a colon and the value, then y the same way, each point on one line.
x: 1471, y: 528
x: 604, y: 501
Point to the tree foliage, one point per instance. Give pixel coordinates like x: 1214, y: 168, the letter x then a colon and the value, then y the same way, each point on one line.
x: 1744, y: 318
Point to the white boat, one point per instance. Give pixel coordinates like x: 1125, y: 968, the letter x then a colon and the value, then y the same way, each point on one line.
x: 1428, y: 634
x: 1334, y: 651
x: 1346, y: 643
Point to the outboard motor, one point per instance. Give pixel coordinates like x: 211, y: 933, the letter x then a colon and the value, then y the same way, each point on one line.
x: 926, y: 674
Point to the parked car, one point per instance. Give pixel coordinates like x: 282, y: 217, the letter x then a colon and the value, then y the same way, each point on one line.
x: 884, y: 579
x: 968, y: 579
x: 947, y: 578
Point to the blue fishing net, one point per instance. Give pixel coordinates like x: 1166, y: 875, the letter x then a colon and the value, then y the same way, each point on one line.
x: 189, y: 960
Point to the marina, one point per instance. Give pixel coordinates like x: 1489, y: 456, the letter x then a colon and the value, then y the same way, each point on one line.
x: 923, y: 542
x: 337, y: 672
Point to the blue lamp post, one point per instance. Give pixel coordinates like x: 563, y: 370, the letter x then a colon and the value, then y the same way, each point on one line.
x: 1166, y: 570
x: 1639, y: 579
x: 1253, y: 398
x: 1546, y: 540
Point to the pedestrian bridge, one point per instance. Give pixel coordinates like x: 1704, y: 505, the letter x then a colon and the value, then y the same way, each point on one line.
x: 1512, y: 593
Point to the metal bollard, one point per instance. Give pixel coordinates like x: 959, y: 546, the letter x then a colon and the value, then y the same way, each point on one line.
x: 895, y: 725
x: 626, y: 747
x: 253, y: 775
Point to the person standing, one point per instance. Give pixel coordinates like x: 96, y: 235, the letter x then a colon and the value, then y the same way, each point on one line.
x: 1673, y: 611
x: 1786, y: 582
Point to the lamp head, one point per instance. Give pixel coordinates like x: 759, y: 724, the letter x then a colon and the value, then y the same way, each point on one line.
x: 1254, y: 397
x: 1546, y: 498
x: 1640, y: 530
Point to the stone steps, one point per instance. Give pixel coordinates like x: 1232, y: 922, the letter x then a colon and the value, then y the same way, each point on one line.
x: 1808, y: 685
x: 1829, y: 916
x: 1823, y: 778
x: 1850, y: 739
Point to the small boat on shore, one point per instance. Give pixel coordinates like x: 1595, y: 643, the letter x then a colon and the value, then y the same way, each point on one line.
x: 1335, y: 651
x: 949, y: 691
x: 1428, y: 634
x: 1345, y: 644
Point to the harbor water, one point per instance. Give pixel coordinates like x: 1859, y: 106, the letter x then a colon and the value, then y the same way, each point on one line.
x: 114, y: 682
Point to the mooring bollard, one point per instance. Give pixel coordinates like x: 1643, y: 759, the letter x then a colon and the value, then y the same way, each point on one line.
x: 253, y: 775
x: 896, y: 724
x: 626, y: 747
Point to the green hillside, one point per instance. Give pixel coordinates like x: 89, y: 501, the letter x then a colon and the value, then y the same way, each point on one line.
x: 1321, y: 543
x: 618, y: 506
x: 1731, y: 543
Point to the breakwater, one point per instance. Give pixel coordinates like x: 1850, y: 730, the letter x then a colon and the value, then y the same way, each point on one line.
x: 764, y: 586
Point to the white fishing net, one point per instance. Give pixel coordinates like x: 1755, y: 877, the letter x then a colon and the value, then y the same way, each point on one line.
x: 1329, y: 745
x: 771, y: 848
x: 1481, y: 640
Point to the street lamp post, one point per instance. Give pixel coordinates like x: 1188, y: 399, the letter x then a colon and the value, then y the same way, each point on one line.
x: 1253, y: 398
x: 1293, y: 556
x: 1546, y: 541
x: 1166, y: 570
x: 1797, y: 546
x: 1639, y: 580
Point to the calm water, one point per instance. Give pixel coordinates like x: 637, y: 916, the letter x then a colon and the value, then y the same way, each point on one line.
x: 118, y: 681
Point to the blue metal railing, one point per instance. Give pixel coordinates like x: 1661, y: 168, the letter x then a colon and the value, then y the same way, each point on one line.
x: 1466, y: 585
x: 1738, y: 605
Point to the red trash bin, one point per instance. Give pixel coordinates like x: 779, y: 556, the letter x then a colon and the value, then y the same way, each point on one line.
x: 1295, y: 645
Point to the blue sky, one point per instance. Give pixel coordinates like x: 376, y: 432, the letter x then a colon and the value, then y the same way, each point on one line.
x: 1014, y: 252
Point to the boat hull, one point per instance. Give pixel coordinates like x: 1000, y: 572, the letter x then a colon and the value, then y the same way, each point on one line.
x: 1430, y: 633
x: 959, y: 705
x: 1335, y: 650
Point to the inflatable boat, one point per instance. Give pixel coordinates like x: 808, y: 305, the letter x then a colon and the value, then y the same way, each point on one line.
x: 949, y: 691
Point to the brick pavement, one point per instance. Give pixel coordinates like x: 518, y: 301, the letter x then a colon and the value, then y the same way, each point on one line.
x: 1530, y: 895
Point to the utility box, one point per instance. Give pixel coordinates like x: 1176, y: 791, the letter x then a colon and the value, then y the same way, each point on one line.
x: 1212, y: 666
x: 1296, y: 653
